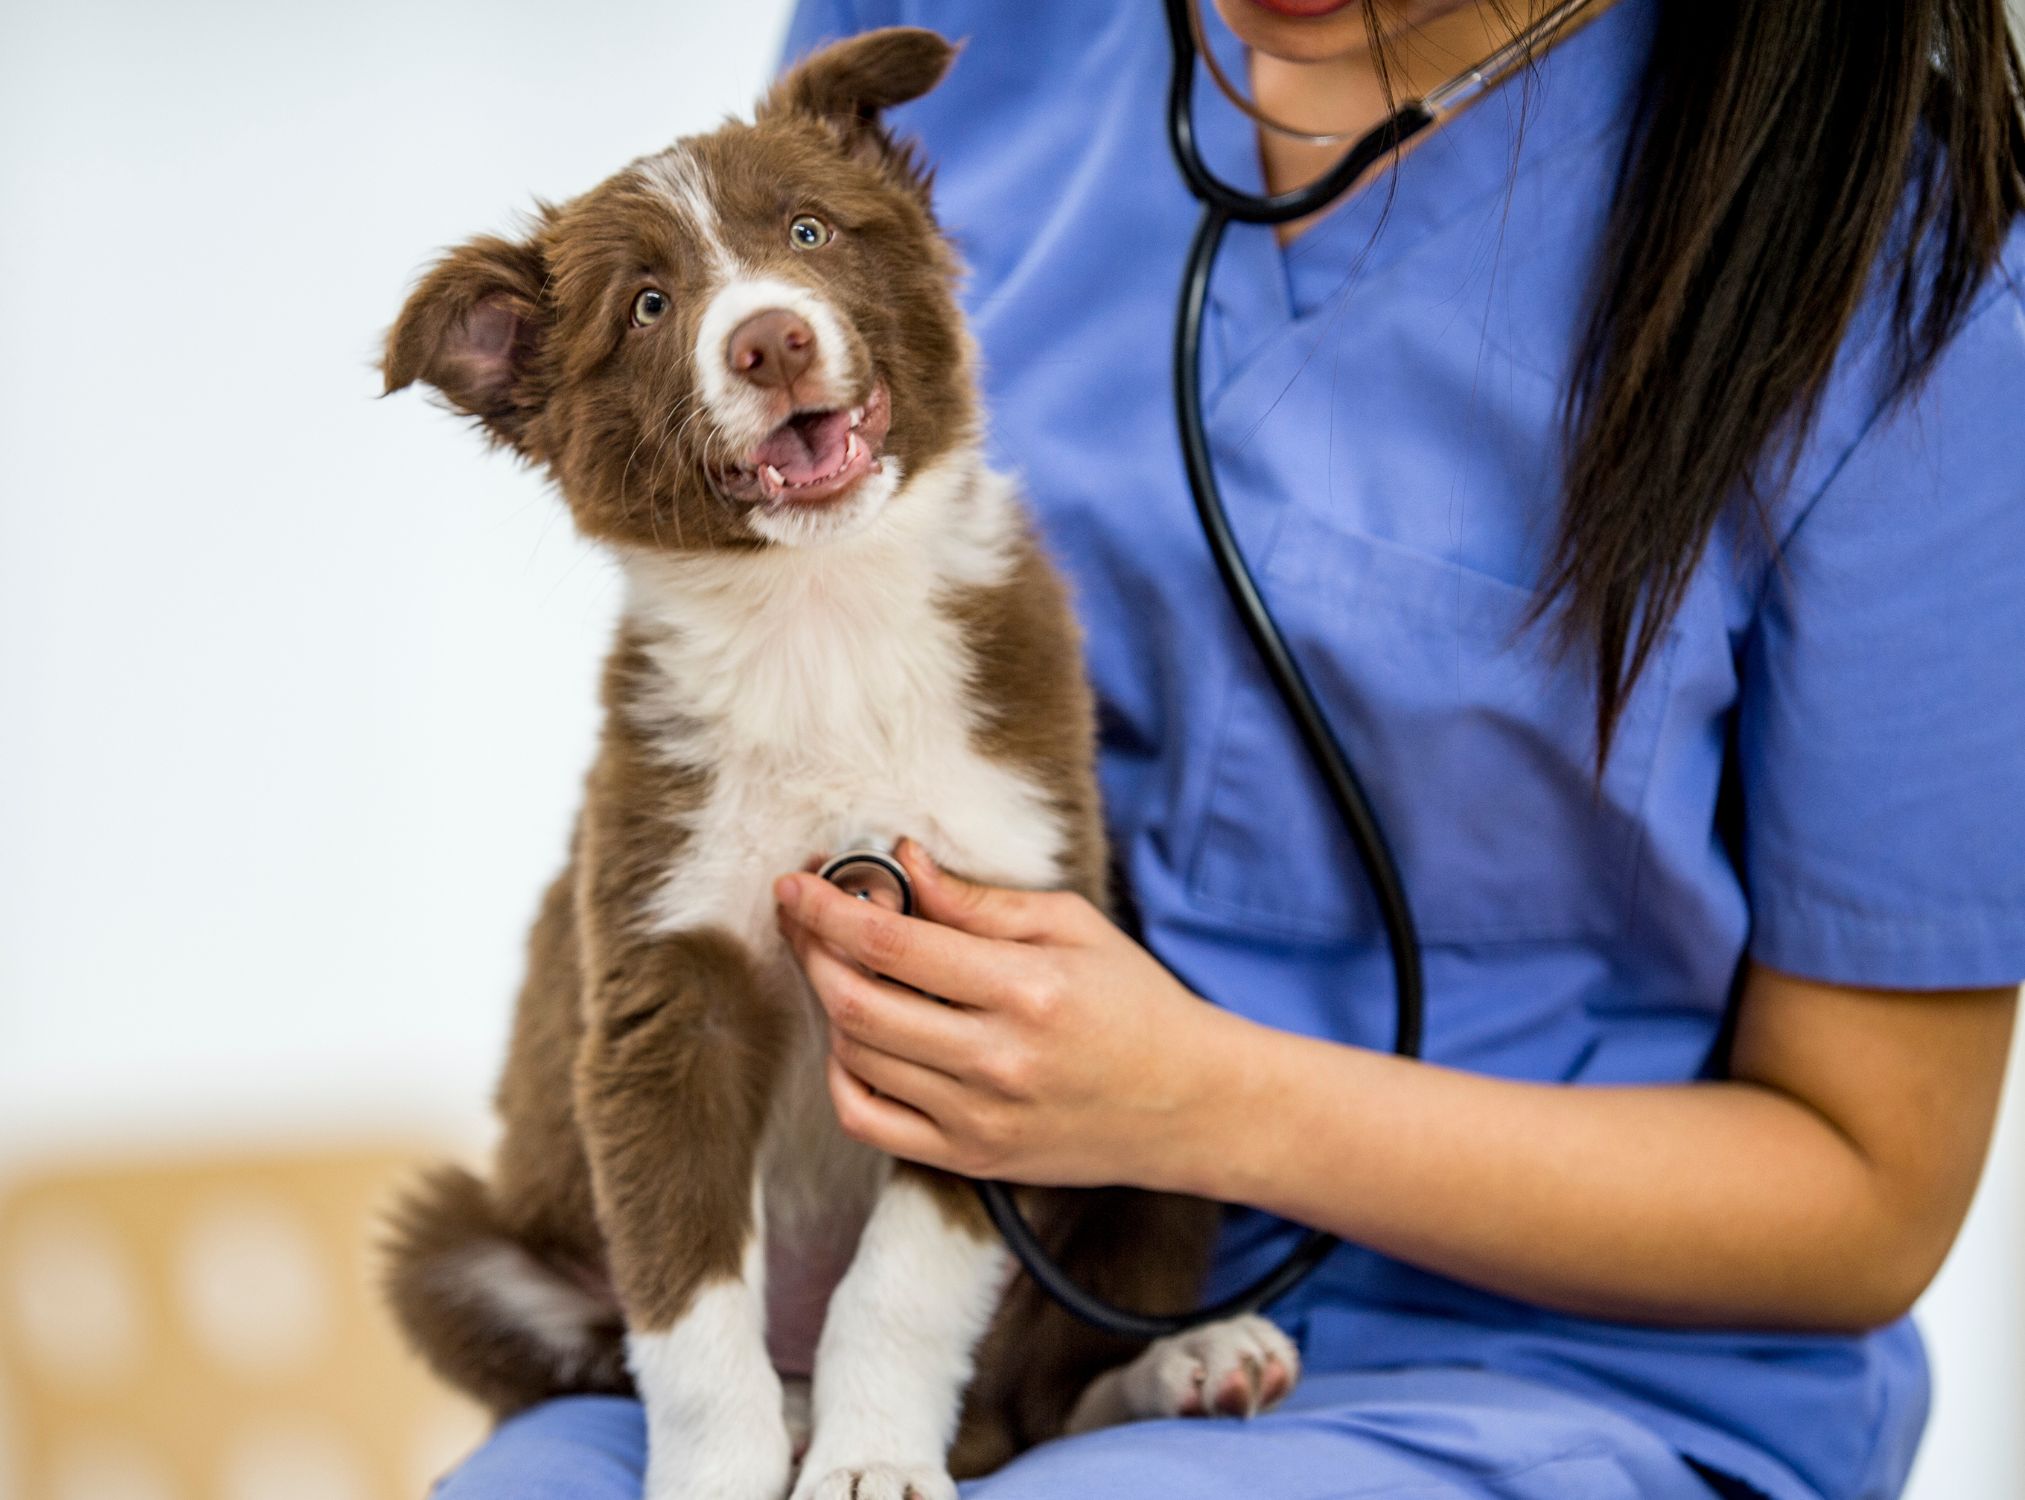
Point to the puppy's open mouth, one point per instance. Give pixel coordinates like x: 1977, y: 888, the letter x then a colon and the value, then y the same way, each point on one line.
x: 815, y: 456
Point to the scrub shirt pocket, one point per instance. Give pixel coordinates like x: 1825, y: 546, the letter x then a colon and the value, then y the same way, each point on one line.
x: 1472, y: 738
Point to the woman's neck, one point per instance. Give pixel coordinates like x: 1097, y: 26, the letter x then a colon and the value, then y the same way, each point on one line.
x: 1346, y: 96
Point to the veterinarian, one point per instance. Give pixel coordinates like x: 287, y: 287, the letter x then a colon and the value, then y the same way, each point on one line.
x: 1719, y: 862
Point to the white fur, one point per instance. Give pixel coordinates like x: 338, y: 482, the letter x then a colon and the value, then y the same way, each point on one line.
x: 811, y: 526
x: 529, y: 1296
x: 715, y: 1423
x: 677, y: 176
x: 1182, y: 1375
x: 896, y: 1351
x: 742, y: 412
x: 880, y: 1481
x: 829, y: 694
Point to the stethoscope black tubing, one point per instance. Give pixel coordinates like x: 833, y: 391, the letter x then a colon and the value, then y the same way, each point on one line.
x: 1223, y: 204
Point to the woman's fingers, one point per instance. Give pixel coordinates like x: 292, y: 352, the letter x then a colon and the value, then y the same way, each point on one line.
x: 934, y: 1093
x: 893, y: 1127
x: 986, y: 911
x: 939, y: 960
x: 883, y: 1015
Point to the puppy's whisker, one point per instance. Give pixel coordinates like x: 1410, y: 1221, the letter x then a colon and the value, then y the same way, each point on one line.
x: 662, y: 453
x: 660, y: 436
x: 654, y: 475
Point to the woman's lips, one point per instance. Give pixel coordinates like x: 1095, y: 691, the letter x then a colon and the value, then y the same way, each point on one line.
x: 1303, y: 10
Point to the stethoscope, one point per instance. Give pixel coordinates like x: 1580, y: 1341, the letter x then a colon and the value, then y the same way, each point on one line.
x: 867, y: 872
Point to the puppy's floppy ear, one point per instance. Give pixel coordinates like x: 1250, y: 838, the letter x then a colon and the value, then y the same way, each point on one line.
x: 470, y: 328
x: 849, y: 83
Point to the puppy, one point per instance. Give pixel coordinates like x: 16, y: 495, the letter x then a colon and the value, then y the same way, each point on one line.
x: 742, y: 363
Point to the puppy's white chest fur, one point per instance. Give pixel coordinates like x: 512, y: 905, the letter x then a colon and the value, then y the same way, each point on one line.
x: 828, y: 695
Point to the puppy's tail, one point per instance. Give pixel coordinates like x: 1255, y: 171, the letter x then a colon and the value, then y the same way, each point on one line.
x: 490, y: 1313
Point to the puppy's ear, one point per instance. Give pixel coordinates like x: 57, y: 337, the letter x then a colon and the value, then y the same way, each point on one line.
x: 848, y: 84
x: 471, y: 328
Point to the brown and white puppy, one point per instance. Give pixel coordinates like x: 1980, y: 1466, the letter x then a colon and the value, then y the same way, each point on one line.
x: 742, y: 362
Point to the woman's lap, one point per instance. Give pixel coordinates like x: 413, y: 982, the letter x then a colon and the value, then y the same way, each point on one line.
x: 579, y: 1448
x: 1424, y: 1434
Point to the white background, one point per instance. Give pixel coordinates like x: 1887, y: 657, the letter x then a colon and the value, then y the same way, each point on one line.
x: 298, y: 684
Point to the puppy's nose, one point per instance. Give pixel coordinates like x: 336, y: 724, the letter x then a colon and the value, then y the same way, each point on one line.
x: 772, y: 348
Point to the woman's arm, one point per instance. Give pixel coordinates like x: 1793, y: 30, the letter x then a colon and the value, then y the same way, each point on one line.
x: 1818, y: 1188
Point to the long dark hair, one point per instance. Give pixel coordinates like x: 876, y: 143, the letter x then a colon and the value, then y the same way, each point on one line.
x: 1788, y: 157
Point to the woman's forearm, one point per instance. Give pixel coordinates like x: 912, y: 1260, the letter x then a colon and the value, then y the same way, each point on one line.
x: 1696, y: 1203
x: 1820, y: 1189
x: 1699, y: 1203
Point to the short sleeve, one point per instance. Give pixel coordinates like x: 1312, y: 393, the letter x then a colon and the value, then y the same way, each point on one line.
x: 1881, y: 728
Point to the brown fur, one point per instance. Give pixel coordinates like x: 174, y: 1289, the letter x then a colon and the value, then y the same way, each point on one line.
x: 638, y: 1083
x: 1039, y: 717
x: 590, y: 403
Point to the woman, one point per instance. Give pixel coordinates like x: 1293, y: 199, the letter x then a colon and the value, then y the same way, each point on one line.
x: 1638, y: 469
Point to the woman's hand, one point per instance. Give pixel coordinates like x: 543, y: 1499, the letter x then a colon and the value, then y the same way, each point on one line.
x: 1056, y: 1051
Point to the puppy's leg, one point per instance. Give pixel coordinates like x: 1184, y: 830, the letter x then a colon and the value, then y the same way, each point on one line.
x: 897, y: 1344
x: 679, y: 1056
x: 1236, y: 1368
x: 1131, y: 1247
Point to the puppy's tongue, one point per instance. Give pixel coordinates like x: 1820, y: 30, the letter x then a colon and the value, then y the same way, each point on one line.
x: 806, y: 447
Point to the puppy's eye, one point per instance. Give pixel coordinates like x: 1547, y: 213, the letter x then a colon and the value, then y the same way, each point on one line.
x: 649, y: 306
x: 808, y: 232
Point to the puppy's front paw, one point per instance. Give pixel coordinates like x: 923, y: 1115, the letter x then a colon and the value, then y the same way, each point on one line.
x: 877, y: 1482
x: 1237, y: 1368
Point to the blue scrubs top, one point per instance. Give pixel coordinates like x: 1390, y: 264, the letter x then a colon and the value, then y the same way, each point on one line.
x: 1382, y: 400
x: 1821, y: 770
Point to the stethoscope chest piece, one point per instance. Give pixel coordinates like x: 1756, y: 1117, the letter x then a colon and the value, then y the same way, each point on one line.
x: 871, y: 875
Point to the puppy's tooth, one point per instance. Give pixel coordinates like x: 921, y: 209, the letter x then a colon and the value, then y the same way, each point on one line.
x: 857, y: 415
x: 772, y: 476
x: 852, y: 448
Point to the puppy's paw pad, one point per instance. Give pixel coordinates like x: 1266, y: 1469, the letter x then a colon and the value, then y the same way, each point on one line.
x: 1236, y: 1368
x: 880, y: 1482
